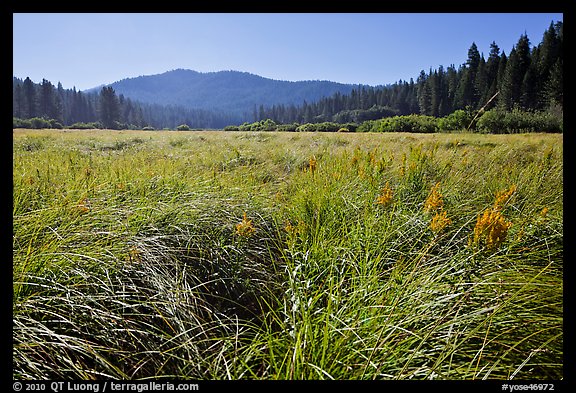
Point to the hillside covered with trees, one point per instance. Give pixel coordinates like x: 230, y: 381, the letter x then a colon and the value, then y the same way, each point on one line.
x: 528, y: 78
x: 234, y: 92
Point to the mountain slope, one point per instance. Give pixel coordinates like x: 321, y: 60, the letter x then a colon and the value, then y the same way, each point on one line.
x: 231, y: 91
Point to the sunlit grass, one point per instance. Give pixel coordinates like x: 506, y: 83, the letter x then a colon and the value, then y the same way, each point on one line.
x: 229, y: 255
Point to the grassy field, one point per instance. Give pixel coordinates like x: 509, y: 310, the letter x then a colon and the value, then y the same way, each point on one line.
x: 234, y: 255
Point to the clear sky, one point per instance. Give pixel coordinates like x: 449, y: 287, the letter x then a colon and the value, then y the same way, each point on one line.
x: 86, y: 50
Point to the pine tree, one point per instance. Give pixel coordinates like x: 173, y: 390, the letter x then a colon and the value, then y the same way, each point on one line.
x: 481, y: 85
x: 529, y: 88
x: 511, y: 81
x: 549, y: 70
x: 29, y: 109
x: 452, y: 87
x: 18, y: 101
x: 554, y: 90
x: 471, y: 94
x: 502, y: 65
x: 524, y: 61
x: 46, y: 99
x: 473, y: 60
x: 492, y: 65
x: 424, y: 94
x: 549, y: 52
x: 512, y: 88
x: 62, y: 104
x: 109, y: 108
x: 465, y: 91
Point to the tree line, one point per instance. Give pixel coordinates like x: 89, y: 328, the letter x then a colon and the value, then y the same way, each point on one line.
x: 43, y: 105
x: 527, y: 79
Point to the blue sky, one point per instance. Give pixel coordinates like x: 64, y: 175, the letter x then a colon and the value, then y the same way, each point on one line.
x: 86, y: 50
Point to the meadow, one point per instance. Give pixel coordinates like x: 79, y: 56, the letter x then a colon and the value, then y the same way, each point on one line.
x: 270, y: 255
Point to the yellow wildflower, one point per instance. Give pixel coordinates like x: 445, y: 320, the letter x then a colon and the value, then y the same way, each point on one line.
x: 502, y: 197
x: 312, y: 164
x: 492, y: 227
x: 386, y: 197
x: 294, y: 230
x: 439, y: 222
x: 434, y: 201
x: 373, y: 159
x: 403, y: 166
x: 245, y: 228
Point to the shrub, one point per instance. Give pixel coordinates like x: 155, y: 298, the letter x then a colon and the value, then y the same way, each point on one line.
x: 20, y: 123
x: 38, y: 122
x: 264, y: 125
x: 326, y: 126
x: 491, y: 121
x: 409, y: 123
x: 352, y: 127
x: 458, y: 120
x: 148, y: 128
x: 368, y: 126
x: 183, y: 127
x: 55, y: 124
x: 497, y: 121
x: 245, y: 126
x: 87, y: 126
x: 307, y: 127
x: 287, y: 127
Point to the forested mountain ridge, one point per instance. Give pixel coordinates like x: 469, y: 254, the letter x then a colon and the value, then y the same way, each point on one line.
x: 234, y: 92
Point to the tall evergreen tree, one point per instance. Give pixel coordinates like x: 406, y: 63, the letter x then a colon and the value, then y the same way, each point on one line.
x: 492, y: 65
x: 29, y: 91
x: 470, y: 85
x: 473, y: 59
x: 511, y: 81
x: 549, y: 70
x: 526, y: 82
x: 554, y: 90
x: 46, y: 99
x: 424, y: 94
x: 530, y: 85
x: 452, y: 87
x: 109, y: 108
x: 62, y: 104
x: 518, y: 63
x: 481, y: 84
x: 18, y: 101
x: 465, y: 96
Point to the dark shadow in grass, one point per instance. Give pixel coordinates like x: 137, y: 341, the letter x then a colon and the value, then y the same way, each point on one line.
x: 183, y: 301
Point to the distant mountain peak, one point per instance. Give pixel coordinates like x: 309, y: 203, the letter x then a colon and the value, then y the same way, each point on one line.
x: 236, y: 92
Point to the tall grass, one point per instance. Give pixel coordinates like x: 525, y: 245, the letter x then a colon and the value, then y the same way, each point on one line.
x: 285, y: 256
